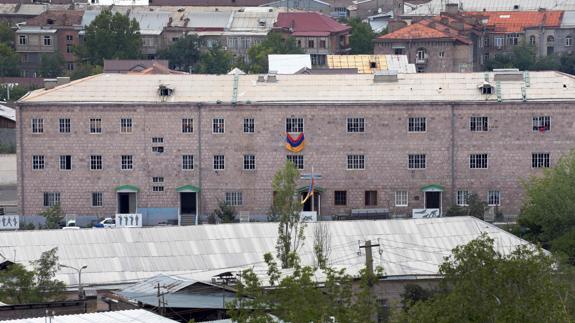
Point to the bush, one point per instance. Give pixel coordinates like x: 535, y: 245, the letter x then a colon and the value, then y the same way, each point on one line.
x: 225, y: 212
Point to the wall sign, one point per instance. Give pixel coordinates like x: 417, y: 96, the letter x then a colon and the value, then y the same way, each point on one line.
x: 425, y: 213
x: 133, y: 220
x: 9, y: 222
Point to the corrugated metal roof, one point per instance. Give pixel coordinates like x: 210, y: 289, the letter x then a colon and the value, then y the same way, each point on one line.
x: 116, y: 256
x: 128, y: 316
x: 459, y: 87
x: 568, y: 19
x: 435, y: 7
x: 253, y: 21
x: 7, y: 112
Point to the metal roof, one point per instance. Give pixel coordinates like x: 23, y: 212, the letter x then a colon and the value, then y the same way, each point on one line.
x: 128, y: 316
x: 120, y: 256
x: 288, y: 63
x: 420, y: 87
x: 435, y: 7
x: 253, y: 21
x: 568, y: 19
x: 7, y: 112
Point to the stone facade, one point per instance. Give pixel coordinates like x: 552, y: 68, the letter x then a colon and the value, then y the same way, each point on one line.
x: 386, y: 144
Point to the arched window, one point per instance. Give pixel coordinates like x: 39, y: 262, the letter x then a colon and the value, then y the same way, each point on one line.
x: 550, y: 40
x: 532, y: 40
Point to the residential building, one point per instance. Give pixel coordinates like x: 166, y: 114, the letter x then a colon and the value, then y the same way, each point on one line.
x: 550, y: 38
x: 131, y: 66
x: 436, y: 7
x: 317, y: 34
x: 404, y: 141
x: 54, y: 32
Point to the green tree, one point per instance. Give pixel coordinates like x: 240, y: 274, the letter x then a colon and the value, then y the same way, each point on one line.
x: 45, y: 270
x: 567, y: 64
x: 482, y: 285
x: 287, y: 206
x: 216, y: 61
x: 16, y: 92
x: 183, y: 54
x: 7, y: 34
x: 53, y: 216
x: 361, y: 38
x: 85, y: 70
x: 547, y: 210
x: 52, y: 65
x: 475, y: 207
x: 110, y: 36
x: 225, y: 212
x: 9, y: 61
x: 274, y: 43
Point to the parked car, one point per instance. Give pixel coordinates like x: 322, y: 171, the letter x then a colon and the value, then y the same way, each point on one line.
x: 106, y: 223
x: 71, y: 225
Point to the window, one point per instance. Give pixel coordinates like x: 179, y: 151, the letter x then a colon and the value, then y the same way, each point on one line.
x: 540, y: 160
x: 38, y: 162
x: 493, y: 198
x: 187, y: 162
x: 499, y: 42
x: 478, y: 161
x: 398, y: 51
x: 421, y: 54
x: 37, y: 125
x: 401, y: 198
x: 126, y: 125
x: 370, y: 198
x: 294, y: 124
x: 416, y: 161
x: 310, y: 43
x: 157, y: 184
x: 249, y: 162
x: 69, y: 37
x: 157, y: 140
x: 96, y: 199
x: 127, y: 162
x: 95, y: 162
x: 70, y: 66
x: 65, y: 125
x: 417, y: 124
x: 297, y: 160
x: 249, y: 125
x: 218, y: 125
x: 541, y: 123
x: 486, y: 41
x: 47, y: 40
x: 318, y: 60
x: 441, y: 54
x: 532, y: 40
x: 355, y: 125
x: 355, y: 162
x: 234, y: 198
x: 68, y: 48
x: 95, y: 125
x: 187, y: 125
x: 486, y: 89
x: 219, y: 162
x: 479, y: 124
x: 340, y: 198
x: 157, y: 146
x: 513, y: 39
x: 568, y: 41
x: 550, y: 40
x: 462, y: 198
x: 322, y: 44
x: 23, y: 39
x: 485, y: 58
x: 51, y: 198
x: 65, y: 162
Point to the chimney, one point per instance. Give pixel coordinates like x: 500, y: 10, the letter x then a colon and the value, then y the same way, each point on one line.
x: 50, y: 83
x: 385, y: 76
x: 61, y: 80
x: 272, y: 77
x: 170, y: 22
x: 395, y: 24
x: 452, y: 9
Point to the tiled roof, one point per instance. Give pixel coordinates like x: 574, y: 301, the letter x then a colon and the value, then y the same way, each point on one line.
x: 516, y: 21
x: 417, y: 30
x: 57, y: 18
x: 309, y: 23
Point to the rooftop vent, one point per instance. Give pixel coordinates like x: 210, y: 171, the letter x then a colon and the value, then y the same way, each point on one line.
x: 261, y: 78
x: 164, y: 91
x: 61, y: 80
x: 385, y: 77
x: 272, y: 77
x: 507, y: 74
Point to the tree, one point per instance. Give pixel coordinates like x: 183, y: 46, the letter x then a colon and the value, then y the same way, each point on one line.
x: 482, y: 285
x: 85, y: 70
x: 475, y: 207
x: 9, y: 61
x: 45, y: 270
x: 110, y: 36
x: 287, y: 206
x: 321, y: 244
x: 225, y: 212
x: 567, y: 63
x: 274, y: 43
x: 16, y: 92
x: 53, y: 216
x: 7, y: 34
x: 216, y: 61
x: 361, y: 38
x: 547, y: 210
x: 413, y: 294
x: 52, y: 65
x: 183, y: 54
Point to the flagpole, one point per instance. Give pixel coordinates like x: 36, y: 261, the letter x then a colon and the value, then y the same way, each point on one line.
x: 312, y: 192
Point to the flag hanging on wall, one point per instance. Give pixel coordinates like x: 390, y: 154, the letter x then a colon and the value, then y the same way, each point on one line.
x: 296, y: 144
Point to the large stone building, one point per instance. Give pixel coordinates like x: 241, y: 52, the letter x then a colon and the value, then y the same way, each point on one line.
x: 164, y: 145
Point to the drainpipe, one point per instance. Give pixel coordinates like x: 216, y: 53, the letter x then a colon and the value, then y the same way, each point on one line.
x: 20, y: 157
x: 452, y: 152
x: 198, y: 200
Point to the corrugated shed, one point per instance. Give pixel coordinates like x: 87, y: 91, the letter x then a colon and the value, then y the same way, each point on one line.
x: 128, y: 316
x: 119, y: 256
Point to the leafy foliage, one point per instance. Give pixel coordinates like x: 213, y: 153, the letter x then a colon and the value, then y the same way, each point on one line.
x: 85, y: 70
x: 412, y: 294
x: 183, y: 54
x: 475, y: 207
x: 523, y: 57
x: 321, y: 244
x: 225, y: 212
x: 54, y: 216
x: 361, y: 38
x: 16, y: 92
x: 9, y: 61
x: 274, y: 43
x: 52, y: 65
x: 110, y: 36
x: 482, y: 285
x: 216, y: 61
x: 7, y: 34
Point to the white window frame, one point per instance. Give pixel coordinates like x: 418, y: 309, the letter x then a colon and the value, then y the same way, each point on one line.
x: 158, y: 184
x: 63, y: 162
x: 499, y: 42
x: 65, y: 125
x: 296, y: 160
x: 569, y: 41
x: 38, y: 162
x: 414, y: 124
x: 249, y: 125
x: 219, y: 162
x: 47, y: 40
x: 51, y: 198
x: 187, y: 162
x: 127, y: 162
x: 541, y: 122
x: 540, y: 160
x: 95, y: 125
x: 355, y: 125
x: 234, y: 198
x: 95, y: 161
x: 462, y: 198
x: 401, y: 198
x: 250, y: 162
x: 414, y: 161
x: 187, y: 125
x: 295, y: 124
x: 126, y: 125
x: 355, y: 162
x: 218, y: 126
x: 476, y: 160
x: 37, y: 125
x: 479, y: 124
x: 494, y: 198
x: 23, y: 39
x: 97, y: 199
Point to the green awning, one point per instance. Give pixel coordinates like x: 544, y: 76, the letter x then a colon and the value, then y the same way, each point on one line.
x: 127, y: 188
x: 432, y: 188
x: 315, y: 188
x: 188, y: 188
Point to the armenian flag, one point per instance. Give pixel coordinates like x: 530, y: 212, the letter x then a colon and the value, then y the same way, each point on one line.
x: 295, y: 145
x: 309, y: 191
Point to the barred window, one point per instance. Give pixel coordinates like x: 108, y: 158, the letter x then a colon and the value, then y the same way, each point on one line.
x: 401, y: 198
x: 187, y: 125
x: 355, y: 162
x: 340, y: 198
x: 37, y: 125
x: 218, y: 125
x: 249, y: 125
x: 95, y: 125
x: 127, y: 162
x: 126, y: 125
x: 96, y: 199
x: 416, y: 161
x: 478, y: 161
x: 157, y: 146
x: 479, y: 124
x: 294, y: 124
x: 542, y: 123
x: 65, y: 162
x: 297, y: 160
x: 38, y: 162
x: 95, y: 162
x: 370, y: 198
x: 493, y: 198
x: 187, y: 162
x: 51, y: 198
x: 540, y: 160
x: 157, y: 184
x: 249, y: 162
x: 219, y: 162
x: 462, y: 198
x: 355, y: 125
x: 234, y: 198
x: 64, y: 125
x: 417, y: 124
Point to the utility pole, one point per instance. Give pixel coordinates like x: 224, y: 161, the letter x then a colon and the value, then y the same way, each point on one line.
x: 369, y: 260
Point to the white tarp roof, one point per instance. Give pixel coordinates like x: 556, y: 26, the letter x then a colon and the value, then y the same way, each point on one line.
x: 288, y: 63
x: 7, y: 112
x: 128, y: 316
x: 119, y: 256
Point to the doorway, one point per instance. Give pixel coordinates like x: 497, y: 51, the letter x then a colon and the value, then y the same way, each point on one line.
x: 316, y: 202
x: 127, y: 203
x: 433, y: 200
x: 188, y: 203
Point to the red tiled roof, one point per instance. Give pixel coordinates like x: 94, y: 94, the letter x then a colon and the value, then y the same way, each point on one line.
x: 309, y: 24
x: 57, y: 18
x: 516, y: 21
x: 417, y: 30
